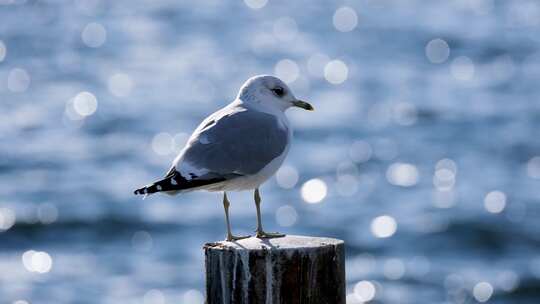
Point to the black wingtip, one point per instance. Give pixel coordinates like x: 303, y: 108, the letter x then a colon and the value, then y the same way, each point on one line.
x: 141, y: 191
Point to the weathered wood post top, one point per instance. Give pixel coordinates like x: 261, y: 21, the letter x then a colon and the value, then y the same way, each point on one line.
x: 287, y: 270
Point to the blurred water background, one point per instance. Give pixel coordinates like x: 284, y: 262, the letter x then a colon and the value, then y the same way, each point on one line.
x: 423, y: 152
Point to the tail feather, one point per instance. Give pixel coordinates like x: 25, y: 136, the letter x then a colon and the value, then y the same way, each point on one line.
x: 174, y: 181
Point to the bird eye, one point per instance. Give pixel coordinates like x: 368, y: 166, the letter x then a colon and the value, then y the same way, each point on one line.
x: 279, y: 91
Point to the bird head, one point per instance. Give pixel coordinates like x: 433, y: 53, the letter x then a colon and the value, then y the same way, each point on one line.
x: 270, y: 92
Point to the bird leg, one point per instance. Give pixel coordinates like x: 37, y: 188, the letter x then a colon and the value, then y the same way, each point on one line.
x: 230, y: 236
x: 260, y: 232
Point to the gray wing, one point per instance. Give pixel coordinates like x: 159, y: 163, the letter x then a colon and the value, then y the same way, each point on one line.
x: 241, y: 143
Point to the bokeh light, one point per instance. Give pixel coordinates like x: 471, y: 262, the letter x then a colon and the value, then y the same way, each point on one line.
x: 37, y: 261
x: 255, y: 4
x: 85, y: 103
x: 18, y: 80
x: 286, y: 216
x: 345, y: 19
x: 351, y: 298
x: 495, y: 201
x: 314, y: 191
x: 163, y: 143
x: 316, y: 64
x: 193, y: 296
x: 507, y: 280
x: 482, y: 291
x: 154, y: 296
x: 444, y: 177
x: 336, y: 72
x: 3, y: 50
x: 364, y: 291
x: 437, y: 50
x: 287, y: 176
x: 94, y: 35
x: 47, y: 213
x: 287, y: 70
x: 383, y: 226
x: 462, y: 68
x: 533, y: 167
x: 360, y: 151
x: 7, y: 219
x: 402, y: 174
x: 120, y: 85
x: 285, y: 29
x: 394, y: 269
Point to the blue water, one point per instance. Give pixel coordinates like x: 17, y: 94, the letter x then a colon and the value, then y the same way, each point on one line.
x: 466, y: 227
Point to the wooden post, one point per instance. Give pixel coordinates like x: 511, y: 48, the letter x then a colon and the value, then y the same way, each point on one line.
x: 287, y: 270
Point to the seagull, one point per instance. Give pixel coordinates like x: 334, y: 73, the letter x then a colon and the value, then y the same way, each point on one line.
x: 236, y: 148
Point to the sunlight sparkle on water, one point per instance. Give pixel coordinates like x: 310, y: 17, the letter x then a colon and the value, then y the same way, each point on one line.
x: 94, y: 35
x: 285, y: 29
x: 193, y: 296
x: 37, y: 261
x: 3, y: 51
x: 533, y: 167
x: 507, y: 280
x: 314, y: 191
x: 364, y: 291
x: 18, y: 80
x: 345, y: 19
x: 287, y: 177
x: 287, y: 70
x: 286, y: 216
x: 47, y: 213
x: 154, y: 296
x: 462, y: 68
x: 437, y: 51
x: 163, y: 143
x: 85, y: 104
x: 120, y: 85
x: 482, y: 291
x: 7, y: 219
x: 383, y: 226
x: 352, y: 299
x: 336, y: 72
x: 255, y: 4
x: 360, y: 151
x: 402, y: 174
x: 495, y: 201
x: 394, y: 269
x: 444, y: 178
